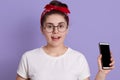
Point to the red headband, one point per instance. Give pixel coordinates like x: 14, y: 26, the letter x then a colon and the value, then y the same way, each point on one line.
x: 49, y: 7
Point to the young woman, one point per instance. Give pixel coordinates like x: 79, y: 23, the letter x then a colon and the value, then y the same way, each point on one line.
x: 56, y: 61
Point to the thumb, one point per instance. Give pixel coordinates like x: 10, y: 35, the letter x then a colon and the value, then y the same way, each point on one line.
x: 99, y: 62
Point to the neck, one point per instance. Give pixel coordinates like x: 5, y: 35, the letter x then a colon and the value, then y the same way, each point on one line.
x: 55, y: 50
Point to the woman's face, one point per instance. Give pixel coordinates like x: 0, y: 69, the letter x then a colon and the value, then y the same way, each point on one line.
x: 55, y: 29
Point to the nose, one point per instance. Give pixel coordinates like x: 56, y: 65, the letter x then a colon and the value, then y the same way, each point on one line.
x: 55, y: 30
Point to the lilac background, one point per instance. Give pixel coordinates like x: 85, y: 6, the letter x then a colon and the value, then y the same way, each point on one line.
x: 91, y: 21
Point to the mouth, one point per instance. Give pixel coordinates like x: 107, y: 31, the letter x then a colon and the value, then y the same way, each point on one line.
x: 55, y: 38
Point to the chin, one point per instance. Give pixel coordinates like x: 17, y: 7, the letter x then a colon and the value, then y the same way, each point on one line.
x: 56, y: 44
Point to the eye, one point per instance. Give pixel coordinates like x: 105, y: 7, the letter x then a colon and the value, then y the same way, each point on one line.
x: 49, y: 26
x: 61, y: 26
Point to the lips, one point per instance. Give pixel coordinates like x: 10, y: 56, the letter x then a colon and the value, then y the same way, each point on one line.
x: 55, y: 38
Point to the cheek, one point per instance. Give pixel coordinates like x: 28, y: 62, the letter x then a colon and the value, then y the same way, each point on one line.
x: 64, y: 35
x: 66, y: 32
x: 47, y: 35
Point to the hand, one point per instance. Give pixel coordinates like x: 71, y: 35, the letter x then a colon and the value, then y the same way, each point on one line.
x: 101, y: 75
x: 100, y: 65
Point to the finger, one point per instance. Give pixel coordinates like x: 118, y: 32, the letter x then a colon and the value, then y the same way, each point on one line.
x: 99, y: 59
x: 99, y: 62
x: 110, y: 52
x: 112, y: 59
x: 111, y: 55
x: 112, y: 67
x: 112, y: 63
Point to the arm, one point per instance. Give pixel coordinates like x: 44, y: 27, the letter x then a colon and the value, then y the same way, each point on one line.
x: 20, y: 78
x: 101, y: 75
x: 87, y: 78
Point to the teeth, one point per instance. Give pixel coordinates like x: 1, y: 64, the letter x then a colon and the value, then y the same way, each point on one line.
x: 55, y: 37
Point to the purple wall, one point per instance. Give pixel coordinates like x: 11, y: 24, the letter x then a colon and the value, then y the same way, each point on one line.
x: 91, y: 21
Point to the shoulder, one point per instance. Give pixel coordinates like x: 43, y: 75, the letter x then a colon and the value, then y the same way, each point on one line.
x: 31, y: 53
x: 76, y: 56
x: 76, y: 53
x: 78, y: 59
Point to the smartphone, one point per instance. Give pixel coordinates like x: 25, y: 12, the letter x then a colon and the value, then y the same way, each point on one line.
x: 105, y: 51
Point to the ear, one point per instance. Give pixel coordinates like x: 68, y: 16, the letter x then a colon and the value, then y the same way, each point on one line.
x: 41, y: 29
x: 67, y: 30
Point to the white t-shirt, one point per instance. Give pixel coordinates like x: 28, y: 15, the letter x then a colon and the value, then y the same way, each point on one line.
x: 38, y: 65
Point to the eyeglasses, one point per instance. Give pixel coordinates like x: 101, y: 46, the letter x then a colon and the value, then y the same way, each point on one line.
x: 61, y: 27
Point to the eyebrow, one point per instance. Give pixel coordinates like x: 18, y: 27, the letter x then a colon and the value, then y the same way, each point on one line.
x: 53, y: 24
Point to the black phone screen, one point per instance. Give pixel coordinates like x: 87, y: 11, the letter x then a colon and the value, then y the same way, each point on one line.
x: 105, y: 51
